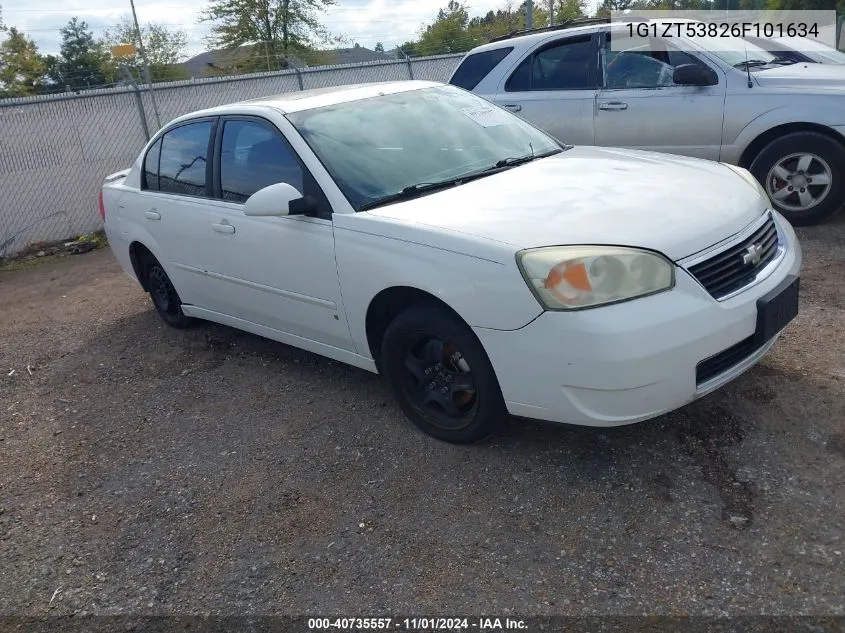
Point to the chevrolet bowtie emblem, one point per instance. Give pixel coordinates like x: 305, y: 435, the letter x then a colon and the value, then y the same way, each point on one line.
x: 752, y: 255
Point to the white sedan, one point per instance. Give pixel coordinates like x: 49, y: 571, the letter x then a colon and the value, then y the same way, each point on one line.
x: 415, y: 230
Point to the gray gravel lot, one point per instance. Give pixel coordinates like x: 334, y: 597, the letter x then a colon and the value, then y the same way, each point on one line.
x: 153, y: 471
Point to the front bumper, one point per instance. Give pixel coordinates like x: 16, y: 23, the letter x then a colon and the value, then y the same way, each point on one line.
x: 631, y: 361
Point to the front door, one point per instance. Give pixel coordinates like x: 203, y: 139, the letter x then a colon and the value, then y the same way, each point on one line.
x: 639, y: 106
x: 554, y: 88
x: 279, y: 272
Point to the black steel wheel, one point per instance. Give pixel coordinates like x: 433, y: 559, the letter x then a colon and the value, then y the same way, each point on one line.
x: 165, y: 298
x: 441, y: 376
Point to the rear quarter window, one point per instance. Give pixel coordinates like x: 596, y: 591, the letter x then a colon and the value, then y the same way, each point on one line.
x: 477, y: 66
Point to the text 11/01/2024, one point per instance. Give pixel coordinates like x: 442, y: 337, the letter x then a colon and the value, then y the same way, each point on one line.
x: 482, y: 624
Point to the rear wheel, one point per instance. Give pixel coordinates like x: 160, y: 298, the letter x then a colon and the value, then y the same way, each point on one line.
x: 802, y: 173
x: 164, y: 296
x: 441, y: 376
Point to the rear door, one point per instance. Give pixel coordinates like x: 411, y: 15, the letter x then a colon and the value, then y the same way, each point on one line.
x: 172, y: 205
x: 640, y: 106
x: 554, y: 87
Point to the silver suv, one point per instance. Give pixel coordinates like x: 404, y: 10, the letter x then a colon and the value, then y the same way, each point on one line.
x: 726, y: 100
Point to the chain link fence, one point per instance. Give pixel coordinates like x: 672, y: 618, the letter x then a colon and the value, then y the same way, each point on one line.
x: 56, y: 150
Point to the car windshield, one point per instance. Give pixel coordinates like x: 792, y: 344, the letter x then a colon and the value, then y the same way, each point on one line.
x: 377, y: 147
x: 735, y: 51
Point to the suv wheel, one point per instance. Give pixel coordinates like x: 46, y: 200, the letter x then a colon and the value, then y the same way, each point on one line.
x: 802, y: 173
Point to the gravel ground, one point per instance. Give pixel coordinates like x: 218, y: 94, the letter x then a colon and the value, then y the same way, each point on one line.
x: 153, y: 471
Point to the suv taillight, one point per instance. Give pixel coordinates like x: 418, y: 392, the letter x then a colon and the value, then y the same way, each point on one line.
x: 102, y: 207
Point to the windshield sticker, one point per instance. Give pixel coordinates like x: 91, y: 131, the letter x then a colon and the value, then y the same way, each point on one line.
x: 486, y: 116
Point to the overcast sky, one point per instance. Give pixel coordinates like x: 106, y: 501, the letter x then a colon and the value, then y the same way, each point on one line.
x: 364, y: 21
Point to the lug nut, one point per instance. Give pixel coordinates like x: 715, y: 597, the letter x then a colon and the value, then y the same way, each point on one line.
x: 443, y: 390
x: 789, y: 177
x: 427, y: 371
x: 803, y: 190
x: 431, y: 385
x: 789, y: 188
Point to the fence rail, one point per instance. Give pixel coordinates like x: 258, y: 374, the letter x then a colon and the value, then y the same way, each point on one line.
x: 55, y: 150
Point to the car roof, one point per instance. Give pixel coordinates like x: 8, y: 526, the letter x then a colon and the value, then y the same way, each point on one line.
x: 319, y: 97
x: 529, y: 39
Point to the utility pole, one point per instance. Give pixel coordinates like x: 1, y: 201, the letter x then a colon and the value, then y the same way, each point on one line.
x: 551, y: 12
x: 146, y: 61
x: 529, y: 14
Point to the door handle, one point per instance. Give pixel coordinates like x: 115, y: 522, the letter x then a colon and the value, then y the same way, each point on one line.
x: 152, y: 214
x: 613, y: 106
x: 223, y: 228
x: 513, y: 107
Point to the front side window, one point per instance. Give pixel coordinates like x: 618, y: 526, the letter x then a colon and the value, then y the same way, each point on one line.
x: 184, y: 156
x: 563, y: 66
x: 377, y: 147
x: 254, y: 156
x: 477, y: 66
x: 630, y: 63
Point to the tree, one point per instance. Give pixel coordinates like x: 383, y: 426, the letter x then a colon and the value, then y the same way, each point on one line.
x: 379, y: 47
x: 448, y: 32
x: 21, y: 67
x: 81, y: 60
x: 606, y: 7
x: 277, y: 27
x: 570, y: 10
x: 163, y: 48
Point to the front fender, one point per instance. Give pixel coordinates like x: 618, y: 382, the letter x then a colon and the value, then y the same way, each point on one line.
x: 485, y: 293
x: 738, y: 140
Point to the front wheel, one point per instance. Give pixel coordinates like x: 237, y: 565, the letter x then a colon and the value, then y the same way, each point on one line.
x: 441, y: 376
x: 802, y: 173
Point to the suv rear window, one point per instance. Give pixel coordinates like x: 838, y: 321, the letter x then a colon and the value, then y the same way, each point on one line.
x: 476, y: 66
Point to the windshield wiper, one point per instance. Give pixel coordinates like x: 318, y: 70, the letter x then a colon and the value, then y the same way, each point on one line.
x: 752, y: 63
x: 413, y: 191
x: 513, y: 162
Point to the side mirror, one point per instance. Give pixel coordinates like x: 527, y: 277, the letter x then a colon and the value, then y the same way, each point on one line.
x: 692, y: 75
x: 274, y: 200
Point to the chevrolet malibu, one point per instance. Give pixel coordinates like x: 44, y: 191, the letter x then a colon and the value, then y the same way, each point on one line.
x: 417, y: 231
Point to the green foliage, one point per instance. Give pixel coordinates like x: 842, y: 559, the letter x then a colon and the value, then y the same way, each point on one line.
x: 281, y: 27
x: 164, y: 49
x: 22, y: 69
x: 81, y: 60
x: 379, y: 47
x: 570, y: 10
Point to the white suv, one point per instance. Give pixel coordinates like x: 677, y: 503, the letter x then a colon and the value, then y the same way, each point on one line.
x: 736, y: 103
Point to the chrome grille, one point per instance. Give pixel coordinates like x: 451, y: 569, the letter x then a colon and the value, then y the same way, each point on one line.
x: 738, y: 265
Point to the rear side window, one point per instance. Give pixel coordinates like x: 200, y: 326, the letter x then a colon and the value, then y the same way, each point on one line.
x: 151, y: 167
x: 476, y: 67
x: 184, y: 156
x: 564, y: 65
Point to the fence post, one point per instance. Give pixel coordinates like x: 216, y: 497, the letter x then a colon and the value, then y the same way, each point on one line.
x: 138, y: 101
x: 299, y: 78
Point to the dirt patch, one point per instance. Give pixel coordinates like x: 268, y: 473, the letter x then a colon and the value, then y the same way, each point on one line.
x: 148, y: 471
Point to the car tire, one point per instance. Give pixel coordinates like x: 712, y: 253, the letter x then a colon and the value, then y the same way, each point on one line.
x: 783, y: 156
x: 441, y: 376
x: 164, y: 296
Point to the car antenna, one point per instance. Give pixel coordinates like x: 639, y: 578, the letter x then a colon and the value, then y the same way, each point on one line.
x: 748, y: 67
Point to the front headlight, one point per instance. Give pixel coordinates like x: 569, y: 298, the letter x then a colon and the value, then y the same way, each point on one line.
x: 578, y: 277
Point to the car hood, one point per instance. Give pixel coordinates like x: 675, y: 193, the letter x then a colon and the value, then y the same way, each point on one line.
x: 824, y: 77
x: 590, y: 195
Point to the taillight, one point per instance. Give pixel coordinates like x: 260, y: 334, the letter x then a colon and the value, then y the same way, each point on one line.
x: 101, y: 206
